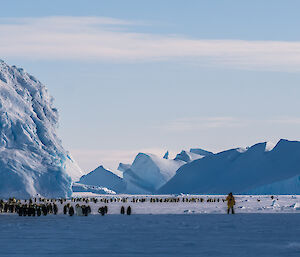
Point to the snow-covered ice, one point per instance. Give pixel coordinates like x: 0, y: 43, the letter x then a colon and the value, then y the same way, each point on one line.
x: 169, y: 225
x: 77, y: 187
x: 245, y: 235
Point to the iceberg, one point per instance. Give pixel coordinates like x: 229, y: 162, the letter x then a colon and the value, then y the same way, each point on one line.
x: 33, y: 161
x: 102, y: 177
x: 259, y: 169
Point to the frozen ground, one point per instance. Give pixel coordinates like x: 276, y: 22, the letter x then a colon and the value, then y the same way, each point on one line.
x: 242, y: 235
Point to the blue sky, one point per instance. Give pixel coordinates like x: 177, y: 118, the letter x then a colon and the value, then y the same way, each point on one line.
x: 130, y: 76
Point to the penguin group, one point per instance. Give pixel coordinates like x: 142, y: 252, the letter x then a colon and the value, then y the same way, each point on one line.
x: 82, y: 206
x: 183, y: 199
x: 37, y: 209
x: 83, y: 210
x: 69, y: 210
x: 10, y: 206
x: 29, y: 208
x: 128, y: 211
x: 103, y: 210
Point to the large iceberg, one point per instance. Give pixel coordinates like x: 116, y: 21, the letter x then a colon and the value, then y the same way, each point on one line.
x: 145, y: 175
x: 32, y: 159
x: 259, y: 169
x: 149, y: 172
x: 102, y: 177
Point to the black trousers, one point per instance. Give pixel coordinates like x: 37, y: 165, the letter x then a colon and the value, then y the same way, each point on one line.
x: 230, y: 208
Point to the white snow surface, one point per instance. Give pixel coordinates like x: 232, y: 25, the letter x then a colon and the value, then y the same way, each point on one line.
x: 259, y: 169
x: 149, y: 172
x: 269, y: 146
x: 188, y: 235
x: 32, y: 158
x: 95, y: 190
x: 190, y: 204
x: 262, y: 226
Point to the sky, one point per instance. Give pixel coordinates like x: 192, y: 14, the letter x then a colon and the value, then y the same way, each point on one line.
x: 151, y: 76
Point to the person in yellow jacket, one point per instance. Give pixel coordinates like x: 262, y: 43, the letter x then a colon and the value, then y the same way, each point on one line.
x: 230, y: 203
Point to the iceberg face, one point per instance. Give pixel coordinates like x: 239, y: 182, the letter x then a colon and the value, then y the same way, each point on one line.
x: 166, y: 155
x: 188, y: 156
x: 192, y: 155
x: 32, y: 159
x: 101, y: 177
x: 259, y: 169
x: 283, y: 187
x: 149, y: 172
x: 200, y: 151
x: 123, y: 166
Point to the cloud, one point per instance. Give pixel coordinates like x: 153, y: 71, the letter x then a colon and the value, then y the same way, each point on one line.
x: 285, y: 120
x: 107, y: 39
x: 202, y: 123
x: 208, y: 123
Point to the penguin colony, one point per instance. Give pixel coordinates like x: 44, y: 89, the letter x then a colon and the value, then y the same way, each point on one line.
x: 81, y: 207
x: 42, y: 206
x: 30, y: 207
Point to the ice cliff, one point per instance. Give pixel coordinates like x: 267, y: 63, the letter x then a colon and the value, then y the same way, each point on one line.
x: 32, y: 159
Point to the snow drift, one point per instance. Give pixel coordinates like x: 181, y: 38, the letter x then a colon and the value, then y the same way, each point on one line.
x: 259, y: 169
x: 77, y: 187
x: 32, y: 158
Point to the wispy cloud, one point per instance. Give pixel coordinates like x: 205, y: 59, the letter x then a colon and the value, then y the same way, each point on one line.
x: 221, y: 122
x: 200, y: 123
x: 285, y: 120
x: 98, y: 38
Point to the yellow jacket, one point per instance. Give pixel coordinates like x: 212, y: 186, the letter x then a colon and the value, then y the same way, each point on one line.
x: 230, y: 201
